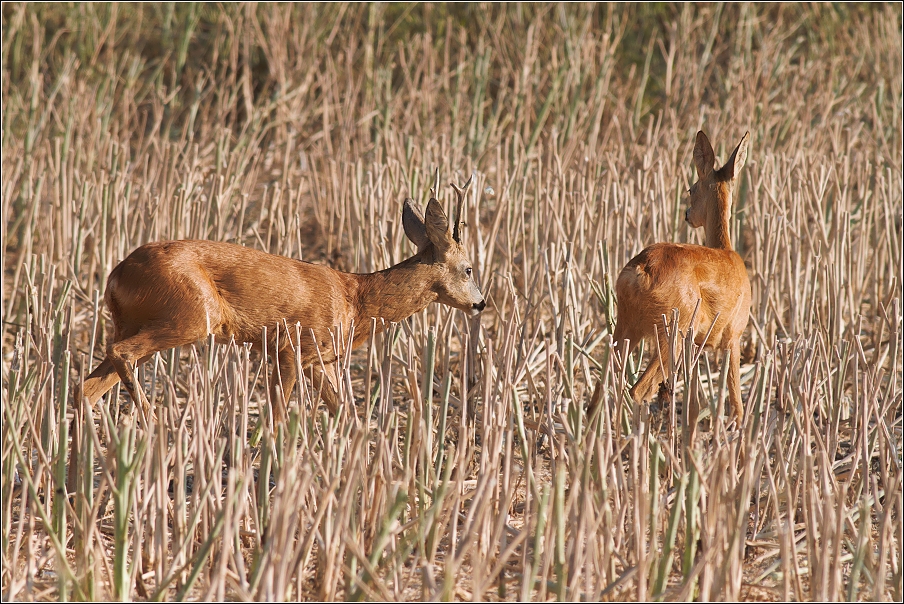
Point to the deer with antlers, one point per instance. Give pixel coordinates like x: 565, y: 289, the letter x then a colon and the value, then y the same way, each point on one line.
x: 173, y: 293
x: 674, y: 275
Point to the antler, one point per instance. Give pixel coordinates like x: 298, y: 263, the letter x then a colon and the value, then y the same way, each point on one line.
x: 435, y: 187
x: 456, y: 232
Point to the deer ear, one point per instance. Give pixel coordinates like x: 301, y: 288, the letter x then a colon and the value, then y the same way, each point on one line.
x: 437, y: 225
x: 413, y: 223
x: 738, y: 157
x: 704, y: 158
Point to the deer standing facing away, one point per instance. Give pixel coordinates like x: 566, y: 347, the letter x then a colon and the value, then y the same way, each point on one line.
x: 173, y: 293
x: 674, y: 275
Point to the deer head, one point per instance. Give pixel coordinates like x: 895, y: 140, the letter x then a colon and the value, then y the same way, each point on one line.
x: 441, y: 247
x: 710, y: 198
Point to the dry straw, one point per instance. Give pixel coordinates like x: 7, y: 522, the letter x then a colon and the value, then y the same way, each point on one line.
x: 464, y: 463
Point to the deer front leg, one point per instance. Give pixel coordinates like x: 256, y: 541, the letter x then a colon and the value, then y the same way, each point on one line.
x: 648, y: 383
x: 281, y: 384
x: 323, y: 384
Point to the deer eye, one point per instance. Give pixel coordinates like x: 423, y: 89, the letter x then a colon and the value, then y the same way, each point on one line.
x: 468, y: 272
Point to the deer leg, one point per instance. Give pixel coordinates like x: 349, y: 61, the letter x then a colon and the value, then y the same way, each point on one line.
x: 649, y: 381
x: 97, y: 384
x: 625, y: 340
x: 99, y: 381
x: 622, y: 345
x: 127, y: 376
x: 282, y: 382
x: 321, y: 381
x: 734, y: 381
x: 138, y: 349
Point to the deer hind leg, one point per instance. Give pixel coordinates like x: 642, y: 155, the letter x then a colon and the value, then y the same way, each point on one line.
x: 95, y: 386
x: 624, y: 341
x: 98, y: 383
x: 137, y: 349
x: 622, y: 351
x: 648, y: 384
x: 650, y: 379
x: 734, y: 381
x: 105, y: 375
x: 121, y: 357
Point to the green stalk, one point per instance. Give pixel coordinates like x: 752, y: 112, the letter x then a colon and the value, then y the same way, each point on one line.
x: 386, y: 529
x: 85, y: 502
x: 655, y: 458
x: 544, y: 112
x: 643, y: 81
x: 443, y: 417
x: 263, y: 483
x: 429, y: 360
x: 668, y: 545
x: 522, y: 441
x: 58, y: 546
x: 559, y: 511
x: 860, y: 552
x: 60, y: 496
x: 533, y: 566
x: 191, y: 23
x: 129, y: 451
x: 692, y: 531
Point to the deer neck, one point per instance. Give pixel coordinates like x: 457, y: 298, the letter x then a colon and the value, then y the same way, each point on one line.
x: 396, y: 293
x: 717, y: 226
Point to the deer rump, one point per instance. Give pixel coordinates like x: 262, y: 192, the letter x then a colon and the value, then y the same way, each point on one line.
x: 675, y: 275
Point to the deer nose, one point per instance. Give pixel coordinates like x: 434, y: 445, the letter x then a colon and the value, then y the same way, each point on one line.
x: 479, y: 306
x: 687, y: 217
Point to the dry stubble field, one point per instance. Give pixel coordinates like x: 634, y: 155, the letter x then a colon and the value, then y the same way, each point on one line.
x: 464, y: 463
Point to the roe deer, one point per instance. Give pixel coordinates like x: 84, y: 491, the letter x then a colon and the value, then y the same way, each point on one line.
x: 172, y: 293
x: 674, y: 275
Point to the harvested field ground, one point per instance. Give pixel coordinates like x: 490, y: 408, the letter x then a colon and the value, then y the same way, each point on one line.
x: 466, y: 462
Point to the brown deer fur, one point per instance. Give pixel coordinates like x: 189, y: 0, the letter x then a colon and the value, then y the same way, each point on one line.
x: 173, y: 293
x: 673, y: 275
